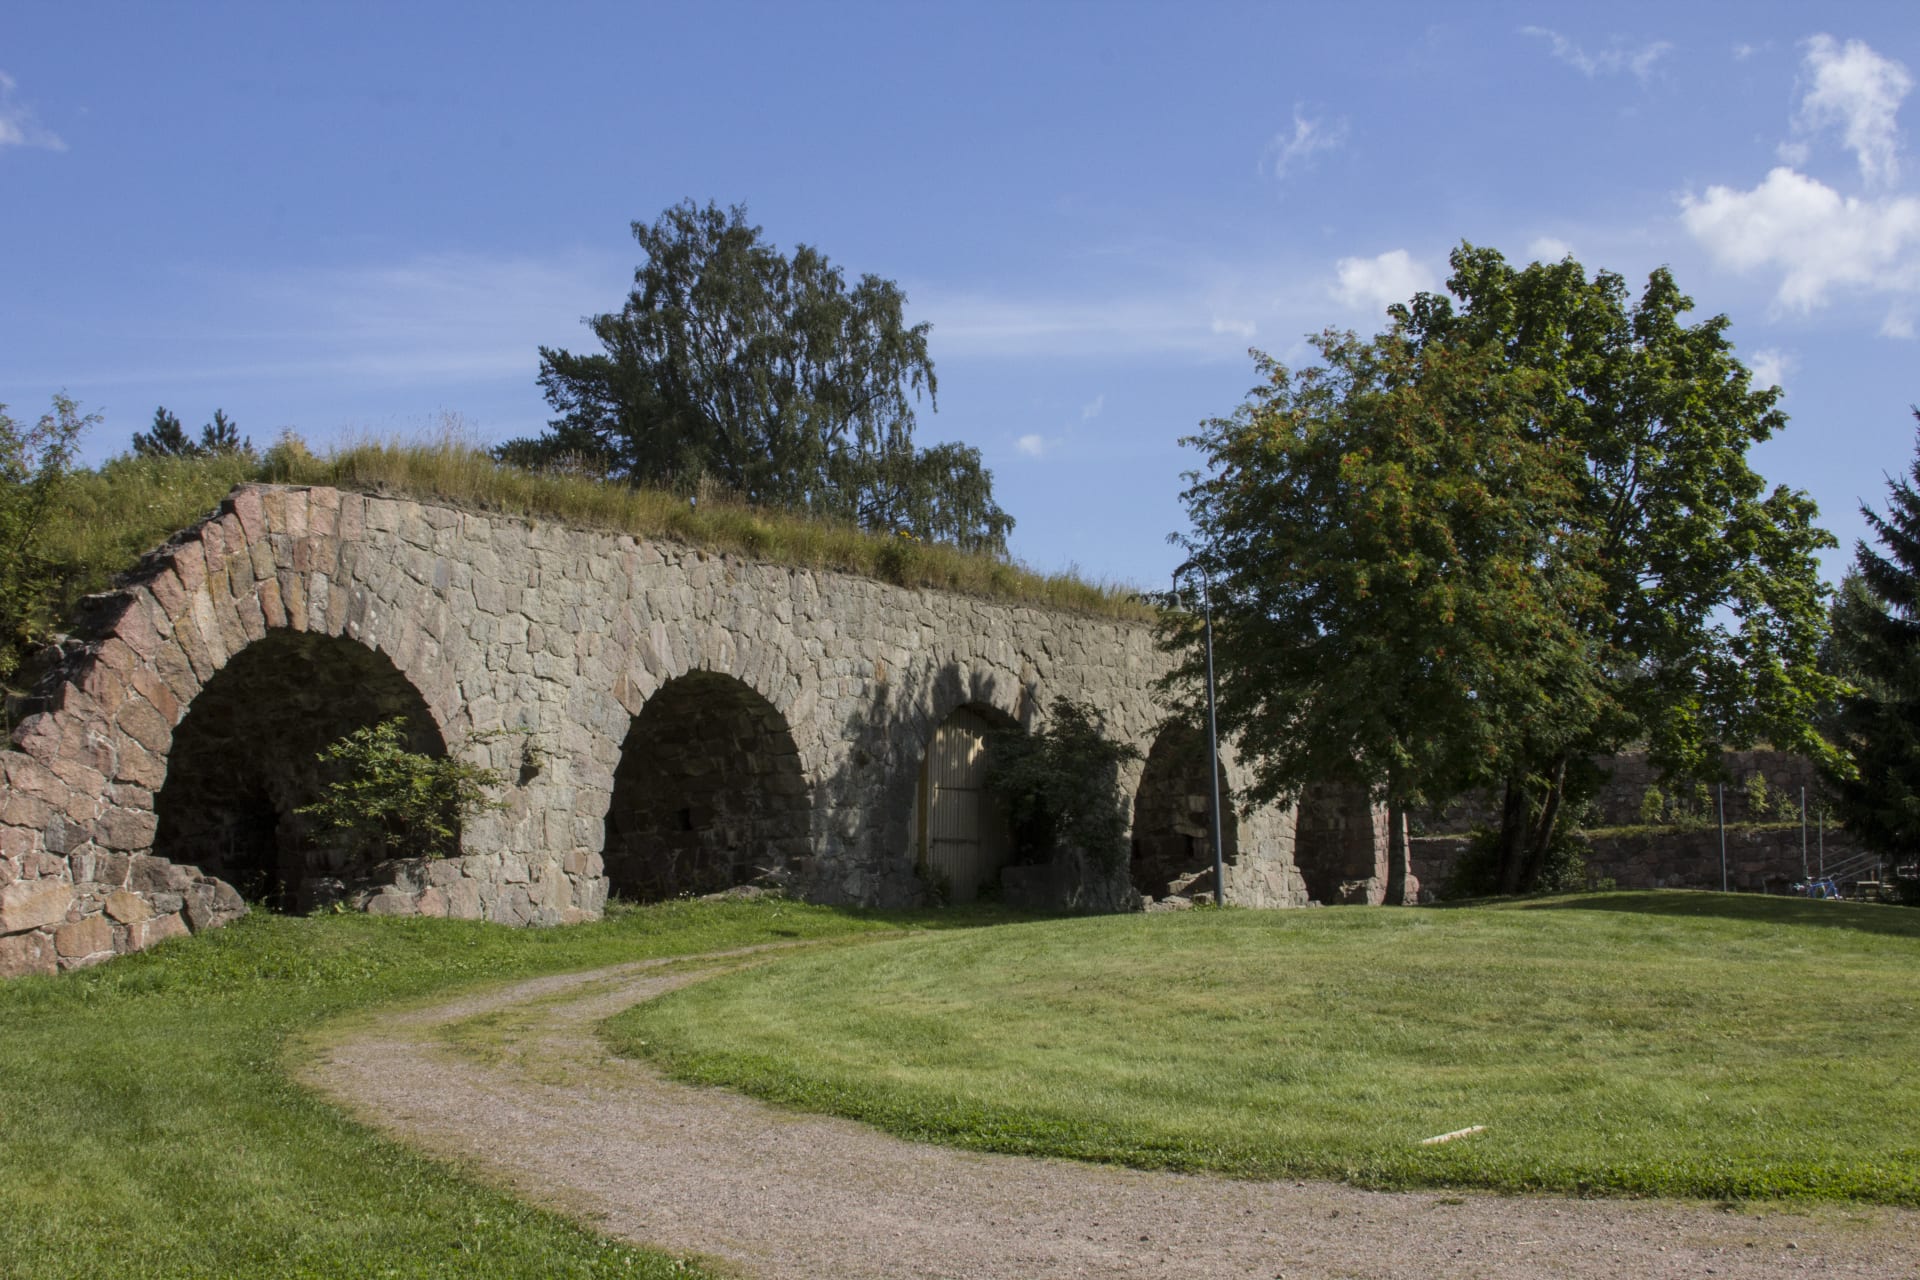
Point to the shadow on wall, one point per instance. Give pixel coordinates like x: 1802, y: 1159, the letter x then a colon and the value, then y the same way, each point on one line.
x: 243, y: 760
x: 1173, y: 818
x: 918, y: 767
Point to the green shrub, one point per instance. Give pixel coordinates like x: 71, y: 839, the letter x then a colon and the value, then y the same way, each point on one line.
x: 34, y: 463
x: 1760, y: 802
x: 1476, y: 873
x: 1062, y: 787
x: 1653, y: 806
x: 395, y: 803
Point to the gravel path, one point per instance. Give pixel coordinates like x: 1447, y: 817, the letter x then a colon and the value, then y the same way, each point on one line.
x: 515, y: 1083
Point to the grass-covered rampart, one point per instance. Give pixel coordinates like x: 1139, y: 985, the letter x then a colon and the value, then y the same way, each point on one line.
x: 109, y: 516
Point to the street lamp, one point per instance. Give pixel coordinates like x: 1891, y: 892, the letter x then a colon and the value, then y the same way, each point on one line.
x: 1213, y: 726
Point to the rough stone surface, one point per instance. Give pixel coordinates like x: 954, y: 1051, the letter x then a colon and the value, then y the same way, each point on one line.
x: 797, y: 707
x: 33, y: 904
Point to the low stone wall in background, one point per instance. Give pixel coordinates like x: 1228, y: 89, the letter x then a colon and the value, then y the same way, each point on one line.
x: 1763, y: 859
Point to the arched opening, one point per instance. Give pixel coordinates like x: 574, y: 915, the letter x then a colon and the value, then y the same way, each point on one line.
x: 1340, y: 854
x: 244, y: 758
x: 1173, y: 818
x: 709, y: 793
x: 961, y: 839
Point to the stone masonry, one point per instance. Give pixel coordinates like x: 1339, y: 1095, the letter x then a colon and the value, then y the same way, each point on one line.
x: 559, y: 636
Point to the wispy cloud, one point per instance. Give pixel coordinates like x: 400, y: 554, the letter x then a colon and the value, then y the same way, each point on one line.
x: 1817, y: 238
x: 1769, y: 367
x: 1612, y: 60
x: 19, y: 127
x: 1033, y: 446
x: 1549, y: 249
x: 1373, y: 284
x: 1854, y: 89
x: 1310, y: 135
x: 1091, y: 409
x: 444, y: 318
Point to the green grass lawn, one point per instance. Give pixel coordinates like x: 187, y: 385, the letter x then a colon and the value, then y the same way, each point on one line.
x: 1674, y: 1044
x: 148, y: 1125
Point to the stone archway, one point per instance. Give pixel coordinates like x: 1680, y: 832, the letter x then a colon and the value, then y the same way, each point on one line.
x: 1172, y: 818
x: 709, y: 793
x: 243, y: 760
x: 1338, y: 845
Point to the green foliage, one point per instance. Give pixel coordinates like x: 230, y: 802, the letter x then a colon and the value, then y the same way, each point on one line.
x: 1383, y: 602
x: 1876, y: 649
x: 1632, y: 1043
x: 1653, y: 805
x: 1476, y: 872
x: 1503, y: 538
x: 736, y: 367
x: 1061, y: 786
x: 168, y: 439
x: 396, y: 803
x: 1760, y: 799
x: 34, y: 464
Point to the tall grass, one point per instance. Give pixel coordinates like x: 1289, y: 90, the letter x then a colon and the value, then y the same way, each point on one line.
x: 112, y: 515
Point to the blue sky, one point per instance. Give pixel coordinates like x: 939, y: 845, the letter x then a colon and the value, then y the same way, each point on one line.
x: 354, y: 220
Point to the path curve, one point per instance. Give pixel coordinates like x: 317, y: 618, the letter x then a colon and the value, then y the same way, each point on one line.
x: 543, y: 1107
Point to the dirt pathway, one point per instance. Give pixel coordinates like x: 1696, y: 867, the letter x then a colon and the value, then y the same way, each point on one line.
x: 516, y: 1082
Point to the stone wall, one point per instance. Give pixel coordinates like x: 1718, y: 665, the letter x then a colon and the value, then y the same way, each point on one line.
x: 558, y: 635
x: 1618, y: 801
x: 1764, y: 859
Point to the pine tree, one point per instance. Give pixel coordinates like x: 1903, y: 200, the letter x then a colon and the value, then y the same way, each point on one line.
x: 1876, y: 646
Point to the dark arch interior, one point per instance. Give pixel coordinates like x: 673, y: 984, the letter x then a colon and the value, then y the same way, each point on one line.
x: 1172, y: 817
x: 243, y: 759
x: 1334, y: 845
x: 709, y: 793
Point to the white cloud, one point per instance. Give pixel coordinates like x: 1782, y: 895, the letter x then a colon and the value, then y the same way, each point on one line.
x: 1818, y: 239
x: 1031, y: 445
x: 1091, y: 409
x: 1856, y: 89
x: 1611, y: 60
x: 18, y: 126
x: 1769, y: 367
x: 1310, y: 135
x: 1238, y: 328
x: 1743, y: 51
x: 1372, y: 284
x: 1549, y: 249
x: 1898, y: 323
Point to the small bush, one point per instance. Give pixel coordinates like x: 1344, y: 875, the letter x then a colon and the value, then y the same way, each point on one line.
x: 1476, y: 873
x: 396, y: 803
x: 1062, y: 787
x: 1760, y: 802
x: 1653, y: 806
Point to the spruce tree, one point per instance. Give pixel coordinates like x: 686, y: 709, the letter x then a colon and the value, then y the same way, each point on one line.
x: 1876, y: 646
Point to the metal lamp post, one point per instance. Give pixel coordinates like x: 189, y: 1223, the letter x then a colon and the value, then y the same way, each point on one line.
x: 1213, y: 729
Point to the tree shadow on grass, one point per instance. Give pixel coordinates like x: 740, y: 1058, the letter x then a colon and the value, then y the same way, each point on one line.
x: 1756, y: 908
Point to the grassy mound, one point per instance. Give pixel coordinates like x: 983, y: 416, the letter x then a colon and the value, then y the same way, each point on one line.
x: 1632, y: 1043
x: 112, y: 515
x: 150, y: 1127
